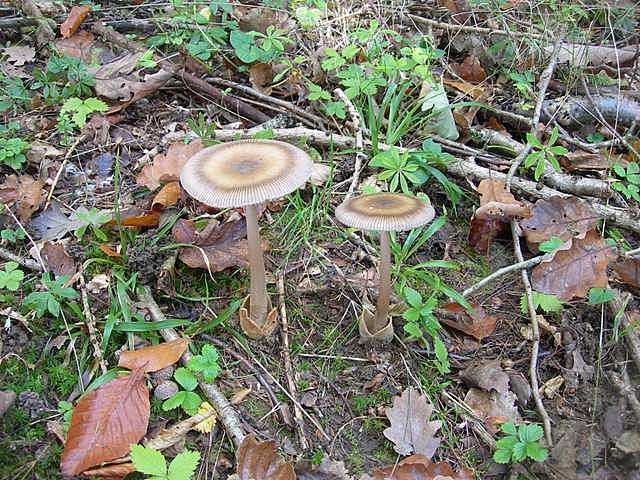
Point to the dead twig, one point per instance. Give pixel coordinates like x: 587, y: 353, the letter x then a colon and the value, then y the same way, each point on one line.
x: 90, y: 322
x: 25, y: 262
x: 357, y: 127
x: 284, y: 331
x: 454, y: 27
x: 617, y: 307
x: 623, y: 383
x: 59, y: 172
x: 227, y: 414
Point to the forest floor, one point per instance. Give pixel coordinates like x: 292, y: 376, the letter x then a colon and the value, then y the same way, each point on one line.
x: 518, y: 122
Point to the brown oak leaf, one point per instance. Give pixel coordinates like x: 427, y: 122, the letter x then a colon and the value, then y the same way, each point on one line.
x: 419, y: 467
x: 57, y: 259
x: 476, y: 323
x: 571, y: 273
x: 259, y: 460
x: 628, y: 271
x: 166, y: 167
x: 470, y: 70
x: 25, y: 192
x: 493, y: 407
x: 495, y: 201
x: 410, y: 430
x: 155, y: 357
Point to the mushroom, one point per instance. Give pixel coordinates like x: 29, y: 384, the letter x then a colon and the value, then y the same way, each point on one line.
x: 244, y: 174
x: 386, y: 212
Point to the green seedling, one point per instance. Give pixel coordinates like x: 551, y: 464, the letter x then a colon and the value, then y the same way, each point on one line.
x: 548, y: 303
x: 11, y: 276
x: 598, y: 296
x: 12, y: 152
x: 629, y: 185
x: 187, y: 398
x: 151, y: 462
x: 520, y: 443
x: 12, y: 236
x: 50, y: 300
x: 81, y: 109
x: 543, y: 153
x: 92, y: 219
x: 207, y: 363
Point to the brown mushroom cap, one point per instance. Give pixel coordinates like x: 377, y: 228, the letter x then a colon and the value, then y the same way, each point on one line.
x: 246, y: 172
x: 385, y: 212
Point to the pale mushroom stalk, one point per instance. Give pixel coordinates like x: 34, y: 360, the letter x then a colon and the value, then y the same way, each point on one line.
x: 384, y: 289
x: 258, y: 295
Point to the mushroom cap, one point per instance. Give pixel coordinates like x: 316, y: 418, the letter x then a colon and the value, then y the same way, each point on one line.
x: 385, y: 212
x: 245, y: 172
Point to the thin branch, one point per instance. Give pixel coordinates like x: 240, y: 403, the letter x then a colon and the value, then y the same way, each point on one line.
x: 452, y: 27
x: 357, y: 127
x: 25, y: 262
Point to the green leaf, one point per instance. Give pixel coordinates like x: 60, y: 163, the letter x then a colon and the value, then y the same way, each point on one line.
x: 536, y: 452
x: 509, y: 428
x: 37, y: 301
x: 413, y: 329
x: 619, y: 170
x: 174, y: 401
x: 533, y: 140
x: 502, y: 456
x: 148, y: 461
x: 442, y: 355
x: 507, y: 442
x: 548, y: 302
x: 185, y: 378
x: 598, y: 296
x: 518, y: 452
x: 412, y: 296
x: 551, y: 245
x: 183, y: 465
x: 191, y: 403
x: 530, y: 432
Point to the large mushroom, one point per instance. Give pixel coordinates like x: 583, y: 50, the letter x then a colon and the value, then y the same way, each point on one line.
x: 244, y: 174
x: 385, y: 212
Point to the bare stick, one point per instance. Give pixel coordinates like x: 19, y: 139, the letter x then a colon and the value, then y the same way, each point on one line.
x: 623, y: 383
x: 470, y: 29
x: 227, y: 414
x: 503, y: 271
x: 25, y: 262
x: 90, y: 322
x: 543, y: 84
x: 617, y: 306
x: 357, y: 126
x: 284, y: 331
x: 59, y: 172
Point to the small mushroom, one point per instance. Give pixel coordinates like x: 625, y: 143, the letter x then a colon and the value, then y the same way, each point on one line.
x: 385, y: 212
x: 244, y: 174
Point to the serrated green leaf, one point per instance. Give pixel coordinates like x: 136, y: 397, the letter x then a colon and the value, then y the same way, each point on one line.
x: 530, y: 432
x: 509, y: 428
x: 174, y: 401
x: 185, y: 378
x: 191, y: 403
x: 183, y: 465
x: 148, y: 461
x: 413, y: 297
x: 518, y: 452
x: 536, y: 452
x: 598, y: 296
x: 502, y: 456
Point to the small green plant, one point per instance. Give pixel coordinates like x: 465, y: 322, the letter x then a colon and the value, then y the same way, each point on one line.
x: 520, y: 443
x: 13, y: 94
x: 551, y: 245
x: 207, y: 363
x: 252, y: 47
x: 151, y: 462
x: 523, y: 82
x: 598, y: 296
x: 12, y: 236
x: 203, y: 128
x: 542, y: 153
x: 420, y: 320
x: 50, y: 299
x: 629, y: 185
x: 91, y: 219
x: 11, y: 276
x: 548, y: 303
x: 187, y: 398
x: 81, y: 109
x: 63, y: 78
x: 66, y: 410
x: 12, y: 152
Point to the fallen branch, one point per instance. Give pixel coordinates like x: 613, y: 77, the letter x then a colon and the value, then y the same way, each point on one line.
x: 227, y: 414
x: 617, y: 306
x: 357, y: 128
x: 25, y: 262
x: 230, y: 102
x: 454, y: 27
x: 623, y: 383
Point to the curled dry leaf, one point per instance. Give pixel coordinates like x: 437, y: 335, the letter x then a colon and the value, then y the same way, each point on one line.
x: 167, y: 197
x: 493, y: 407
x: 24, y: 192
x: 479, y: 324
x: 57, y: 259
x: 216, y: 247
x: 487, y: 375
x: 167, y: 166
x: 495, y: 201
x: 259, y: 460
x: 571, y: 273
x: 419, y: 467
x: 105, y: 422
x: 483, y: 231
x: 628, y: 271
x: 562, y: 217
x: 19, y: 55
x: 154, y: 358
x: 260, y: 76
x: 470, y: 70
x: 74, y: 20
x: 112, y: 472
x: 410, y: 430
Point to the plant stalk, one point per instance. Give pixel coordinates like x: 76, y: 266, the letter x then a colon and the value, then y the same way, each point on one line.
x: 384, y: 290
x: 258, y: 292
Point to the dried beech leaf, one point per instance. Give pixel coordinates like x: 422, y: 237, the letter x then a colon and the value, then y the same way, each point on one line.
x: 167, y: 166
x: 155, y: 357
x: 628, y: 271
x: 19, y: 55
x: 571, y: 273
x: 25, y: 192
x: 84, y: 46
x: 410, y: 430
x: 478, y: 324
x: 487, y: 375
x: 259, y: 460
x: 562, y: 217
x: 419, y: 467
x: 74, y: 20
x: 327, y: 470
x: 493, y: 407
x: 483, y: 231
x: 260, y: 76
x: 177, y: 432
x: 57, y: 259
x: 147, y: 219
x: 105, y: 422
x: 111, y: 472
x: 470, y: 70
x: 495, y: 201
x: 167, y: 197
x: 216, y: 247
x: 258, y: 19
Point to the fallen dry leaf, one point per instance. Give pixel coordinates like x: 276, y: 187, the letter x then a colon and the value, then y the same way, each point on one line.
x: 562, y: 217
x: 19, y: 55
x: 155, y: 357
x: 487, y: 375
x: 216, y: 247
x: 145, y: 219
x: 319, y: 173
x: 260, y: 76
x: 495, y: 201
x: 108, y: 251
x: 258, y: 19
x: 410, y: 430
x: 84, y: 46
x: 206, y: 425
x: 105, y: 422
x: 57, y: 259
x: 571, y: 273
x: 74, y: 20
x: 167, y: 197
x: 24, y: 192
x: 550, y: 388
x: 580, y: 55
x: 167, y: 166
x: 483, y: 231
x: 493, y: 407
x: 478, y: 323
x: 53, y: 224
x: 259, y: 460
x: 419, y: 467
x: 239, y: 396
x: 327, y: 470
x: 113, y: 472
x: 628, y: 271
x: 470, y: 70
x: 467, y: 88
x: 586, y: 161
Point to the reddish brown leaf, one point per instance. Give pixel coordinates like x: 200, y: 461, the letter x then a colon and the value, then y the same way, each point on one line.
x: 259, y: 460
x: 478, y: 324
x: 216, y: 246
x: 628, y: 271
x: 571, y: 273
x: 258, y: 19
x: 57, y: 259
x: 493, y: 407
x: 260, y: 76
x: 74, y: 20
x: 150, y: 219
x: 105, y: 422
x: 25, y: 192
x: 167, y: 197
x: 487, y: 375
x: 470, y: 70
x: 419, y: 467
x: 167, y: 166
x: 474, y: 91
x: 84, y: 46
x: 496, y: 202
x: 107, y: 250
x: 562, y: 217
x: 482, y: 232
x: 112, y: 472
x: 154, y: 358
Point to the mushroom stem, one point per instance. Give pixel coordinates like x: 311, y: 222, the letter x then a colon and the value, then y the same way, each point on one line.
x: 258, y: 298
x: 384, y: 289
